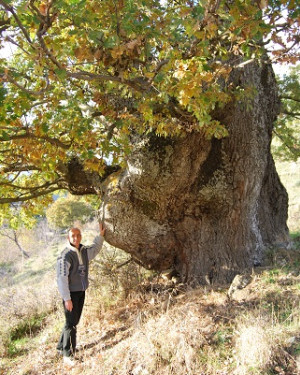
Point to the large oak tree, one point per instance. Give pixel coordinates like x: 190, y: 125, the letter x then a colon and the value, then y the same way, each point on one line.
x: 164, y: 109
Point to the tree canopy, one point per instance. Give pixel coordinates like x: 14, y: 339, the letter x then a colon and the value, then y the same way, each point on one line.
x: 85, y: 76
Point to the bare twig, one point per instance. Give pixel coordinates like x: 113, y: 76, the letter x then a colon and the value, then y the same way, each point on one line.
x: 124, y: 264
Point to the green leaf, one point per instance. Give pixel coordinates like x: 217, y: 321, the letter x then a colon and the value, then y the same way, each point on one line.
x: 3, y: 92
x: 5, y: 135
x: 96, y: 36
x: 45, y: 127
x: 109, y: 42
x: 61, y: 73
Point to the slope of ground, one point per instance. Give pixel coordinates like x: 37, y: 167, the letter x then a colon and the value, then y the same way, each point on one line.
x: 140, y: 324
x: 164, y: 328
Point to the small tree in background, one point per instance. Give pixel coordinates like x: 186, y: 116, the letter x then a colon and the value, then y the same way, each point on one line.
x: 286, y: 133
x: 13, y: 235
x: 13, y: 229
x: 63, y: 212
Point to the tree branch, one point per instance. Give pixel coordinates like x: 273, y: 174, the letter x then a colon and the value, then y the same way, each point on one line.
x: 22, y: 198
x: 158, y: 68
x: 10, y: 40
x: 20, y: 168
x: 288, y: 97
x: 292, y: 149
x: 139, y: 83
x: 27, y: 135
x: 30, y: 188
x: 8, y: 78
x: 293, y: 114
x: 81, y: 74
x: 47, y: 52
x: 124, y: 264
x: 11, y: 10
x: 117, y: 18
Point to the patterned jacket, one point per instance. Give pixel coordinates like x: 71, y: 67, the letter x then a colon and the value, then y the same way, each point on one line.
x: 73, y: 267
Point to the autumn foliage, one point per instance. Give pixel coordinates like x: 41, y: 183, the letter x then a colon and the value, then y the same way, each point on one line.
x: 84, y: 76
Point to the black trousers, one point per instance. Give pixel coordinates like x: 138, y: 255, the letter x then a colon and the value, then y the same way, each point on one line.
x: 67, y: 341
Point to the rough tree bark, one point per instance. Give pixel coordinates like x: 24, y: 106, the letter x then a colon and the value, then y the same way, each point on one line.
x: 207, y: 209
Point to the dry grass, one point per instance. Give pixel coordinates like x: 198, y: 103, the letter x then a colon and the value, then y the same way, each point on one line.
x: 289, y: 173
x: 28, y: 290
x: 162, y: 330
x: 137, y: 324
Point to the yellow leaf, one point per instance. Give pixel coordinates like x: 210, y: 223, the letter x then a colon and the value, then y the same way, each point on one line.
x: 117, y: 52
x: 181, y: 71
x: 185, y: 95
x: 43, y: 8
x: 207, y: 77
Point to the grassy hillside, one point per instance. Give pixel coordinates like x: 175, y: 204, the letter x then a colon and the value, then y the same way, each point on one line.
x: 136, y: 323
x: 165, y: 329
x: 289, y: 173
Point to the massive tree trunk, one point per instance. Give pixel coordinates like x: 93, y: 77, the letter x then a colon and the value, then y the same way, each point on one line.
x: 205, y: 208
